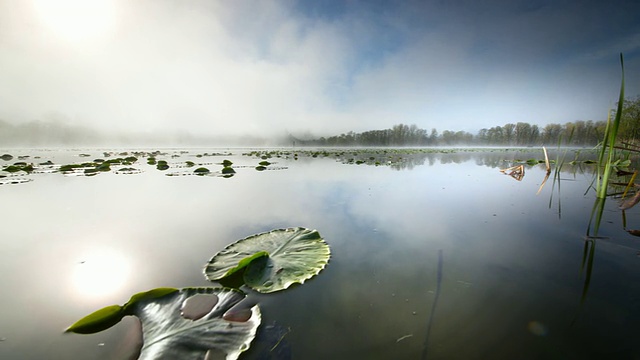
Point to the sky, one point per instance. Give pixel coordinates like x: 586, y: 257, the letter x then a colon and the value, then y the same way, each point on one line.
x: 313, y: 67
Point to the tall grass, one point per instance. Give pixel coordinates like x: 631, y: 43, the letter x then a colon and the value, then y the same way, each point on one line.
x: 605, y: 166
x: 605, y: 158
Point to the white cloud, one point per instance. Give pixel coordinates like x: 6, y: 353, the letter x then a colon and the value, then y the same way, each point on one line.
x: 262, y: 67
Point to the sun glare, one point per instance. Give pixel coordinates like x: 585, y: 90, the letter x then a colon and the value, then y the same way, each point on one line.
x: 77, y: 20
x: 101, y: 272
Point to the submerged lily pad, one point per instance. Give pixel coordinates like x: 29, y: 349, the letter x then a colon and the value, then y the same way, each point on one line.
x: 170, y: 331
x: 10, y: 180
x: 128, y: 170
x: 276, y: 259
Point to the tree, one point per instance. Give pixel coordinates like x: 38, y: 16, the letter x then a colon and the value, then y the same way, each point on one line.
x: 630, y: 120
x: 523, y: 133
x: 509, y: 130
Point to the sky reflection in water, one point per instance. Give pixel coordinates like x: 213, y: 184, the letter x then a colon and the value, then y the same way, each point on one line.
x: 511, y: 282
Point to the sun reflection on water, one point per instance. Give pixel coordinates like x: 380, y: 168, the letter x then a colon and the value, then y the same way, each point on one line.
x: 101, y: 272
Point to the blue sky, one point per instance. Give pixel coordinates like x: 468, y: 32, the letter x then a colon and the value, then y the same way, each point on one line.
x: 313, y: 67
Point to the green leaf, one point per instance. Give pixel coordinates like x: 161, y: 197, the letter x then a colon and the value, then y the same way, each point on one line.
x: 98, y: 320
x: 294, y: 256
x: 147, y: 295
x: 245, y: 262
x: 624, y: 163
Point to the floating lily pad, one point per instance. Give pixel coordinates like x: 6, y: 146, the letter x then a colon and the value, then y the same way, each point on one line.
x: 12, y: 168
x: 103, y: 167
x: 6, y: 157
x: 162, y: 165
x: 272, y: 261
x: 201, y: 171
x: 228, y: 170
x: 173, y: 329
x: 226, y: 163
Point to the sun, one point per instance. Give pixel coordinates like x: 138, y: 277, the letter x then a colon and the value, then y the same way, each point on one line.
x: 76, y: 20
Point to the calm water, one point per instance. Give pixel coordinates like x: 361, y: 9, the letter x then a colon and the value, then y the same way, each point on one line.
x: 511, y: 282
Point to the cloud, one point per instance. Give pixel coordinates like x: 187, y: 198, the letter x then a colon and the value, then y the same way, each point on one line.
x: 267, y: 67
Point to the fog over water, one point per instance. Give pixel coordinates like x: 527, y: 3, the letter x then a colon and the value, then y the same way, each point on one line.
x: 171, y: 70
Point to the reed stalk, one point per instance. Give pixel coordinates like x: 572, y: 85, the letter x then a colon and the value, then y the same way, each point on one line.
x: 611, y: 134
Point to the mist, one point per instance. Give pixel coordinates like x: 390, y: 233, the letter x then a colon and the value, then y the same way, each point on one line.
x: 214, y: 72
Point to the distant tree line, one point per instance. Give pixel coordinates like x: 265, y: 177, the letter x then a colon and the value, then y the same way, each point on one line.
x: 578, y: 133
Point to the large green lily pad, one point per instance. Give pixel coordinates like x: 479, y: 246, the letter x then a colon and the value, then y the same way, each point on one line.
x: 168, y: 333
x: 272, y: 261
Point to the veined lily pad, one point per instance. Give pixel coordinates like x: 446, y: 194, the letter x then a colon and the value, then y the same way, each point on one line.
x: 169, y: 334
x: 272, y: 261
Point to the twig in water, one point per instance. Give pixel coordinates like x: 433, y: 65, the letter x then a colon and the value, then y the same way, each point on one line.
x: 403, y: 337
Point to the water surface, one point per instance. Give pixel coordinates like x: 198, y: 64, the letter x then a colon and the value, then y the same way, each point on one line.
x: 511, y: 281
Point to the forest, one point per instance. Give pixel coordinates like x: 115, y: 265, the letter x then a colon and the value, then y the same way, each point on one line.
x: 578, y: 133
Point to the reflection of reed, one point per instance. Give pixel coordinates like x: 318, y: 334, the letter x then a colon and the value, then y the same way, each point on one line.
x: 433, y: 306
x: 516, y: 172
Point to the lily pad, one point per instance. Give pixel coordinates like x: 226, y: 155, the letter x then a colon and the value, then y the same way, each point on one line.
x: 162, y: 165
x: 201, y: 171
x: 169, y: 334
x: 272, y: 261
x: 12, y: 168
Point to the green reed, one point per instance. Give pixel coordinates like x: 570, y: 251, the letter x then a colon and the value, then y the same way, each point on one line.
x: 605, y: 158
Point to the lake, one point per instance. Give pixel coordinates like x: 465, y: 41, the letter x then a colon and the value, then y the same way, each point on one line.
x: 501, y: 259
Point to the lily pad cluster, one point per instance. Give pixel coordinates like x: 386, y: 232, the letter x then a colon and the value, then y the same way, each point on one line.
x: 96, y: 166
x: 189, y: 323
x: 19, y: 166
